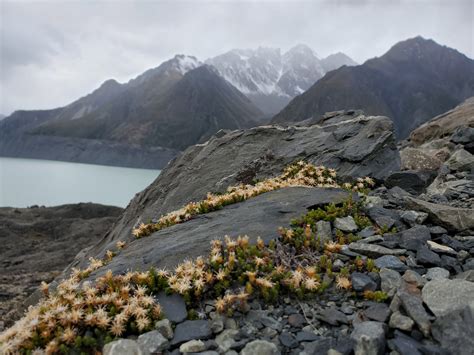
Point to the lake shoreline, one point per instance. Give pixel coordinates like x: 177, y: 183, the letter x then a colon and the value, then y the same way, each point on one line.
x: 34, y: 182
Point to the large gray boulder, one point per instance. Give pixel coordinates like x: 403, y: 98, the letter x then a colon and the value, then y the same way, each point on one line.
x: 259, y: 216
x: 452, y: 218
x: 445, y: 296
x: 356, y: 147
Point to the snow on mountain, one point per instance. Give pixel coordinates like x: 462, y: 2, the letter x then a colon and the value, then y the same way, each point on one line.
x: 268, y: 77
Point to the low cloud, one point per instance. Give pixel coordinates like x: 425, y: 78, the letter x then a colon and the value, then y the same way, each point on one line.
x: 54, y: 52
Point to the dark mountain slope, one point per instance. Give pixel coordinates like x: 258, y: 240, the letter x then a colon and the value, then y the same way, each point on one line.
x: 180, y: 113
x: 414, y: 81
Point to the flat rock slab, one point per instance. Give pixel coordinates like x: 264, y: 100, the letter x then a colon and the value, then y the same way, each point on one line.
x: 191, y: 330
x: 258, y: 216
x: 452, y: 218
x: 445, y: 296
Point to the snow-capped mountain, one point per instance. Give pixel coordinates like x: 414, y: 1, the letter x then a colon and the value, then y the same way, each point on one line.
x: 271, y: 78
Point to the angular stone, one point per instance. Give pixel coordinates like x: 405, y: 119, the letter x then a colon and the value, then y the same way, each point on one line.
x: 383, y: 217
x: 412, y: 181
x: 122, y: 347
x: 439, y: 248
x: 346, y: 224
x: 415, y: 237
x: 403, y: 344
x: 288, y: 340
x: 296, y: 320
x: 466, y: 275
x: 320, y: 346
x: 369, y: 338
x: 452, y: 218
x: 390, y: 280
x: 192, y: 346
x: 399, y: 321
x: 461, y: 160
x: 366, y: 232
x: 323, y: 231
x: 152, y: 342
x: 260, y: 347
x: 378, y: 312
x: 332, y: 316
x: 426, y: 257
x: 413, y: 306
x: 455, y: 330
x: 173, y: 306
x: 374, y: 251
x: 226, y: 339
x: 390, y: 262
x: 165, y: 329
x: 306, y: 336
x: 414, y: 217
x: 414, y: 278
x: 437, y: 273
x: 463, y: 135
x: 445, y: 296
x: 271, y: 323
x: 361, y: 282
x: 191, y: 330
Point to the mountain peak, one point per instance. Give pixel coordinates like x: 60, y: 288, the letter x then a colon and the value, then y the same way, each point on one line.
x: 301, y: 49
x: 184, y: 63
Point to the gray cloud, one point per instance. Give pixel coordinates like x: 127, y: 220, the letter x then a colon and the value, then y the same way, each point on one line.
x: 53, y: 52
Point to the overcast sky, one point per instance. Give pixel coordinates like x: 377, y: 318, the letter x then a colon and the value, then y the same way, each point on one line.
x: 57, y: 51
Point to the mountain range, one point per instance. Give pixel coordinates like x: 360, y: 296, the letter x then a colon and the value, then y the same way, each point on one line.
x: 150, y: 119
x: 414, y: 81
x: 271, y: 79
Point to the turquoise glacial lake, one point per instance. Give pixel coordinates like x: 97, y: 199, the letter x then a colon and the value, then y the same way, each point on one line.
x: 27, y: 182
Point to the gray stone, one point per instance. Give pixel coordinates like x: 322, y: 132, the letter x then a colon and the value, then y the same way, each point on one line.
x: 390, y: 262
x: 152, y: 342
x: 463, y: 135
x: 260, y: 347
x: 415, y: 237
x: 332, y: 316
x: 361, y: 282
x: 461, y: 160
x: 320, y: 346
x: 345, y: 224
x: 442, y: 249
x: 369, y: 338
x: 413, y: 306
x: 466, y: 275
x: 374, y: 251
x: 173, y: 306
x: 226, y: 339
x: 378, y: 312
x: 403, y: 344
x: 306, y: 336
x: 437, y: 273
x: 452, y: 218
x: 399, y: 321
x: 122, y: 347
x: 455, y: 330
x: 414, y: 278
x: 296, y: 320
x: 192, y: 346
x: 288, y: 340
x: 164, y: 327
x: 271, y: 323
x: 426, y: 257
x: 191, y: 330
x: 366, y: 232
x: 390, y: 280
x: 217, y: 325
x: 323, y: 231
x: 412, y: 181
x: 414, y: 217
x: 445, y: 296
x: 383, y: 217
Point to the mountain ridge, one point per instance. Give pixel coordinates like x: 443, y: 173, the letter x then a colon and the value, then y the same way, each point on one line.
x: 425, y: 79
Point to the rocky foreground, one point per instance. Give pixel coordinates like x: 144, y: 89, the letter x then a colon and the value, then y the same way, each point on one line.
x: 38, y: 242
x: 387, y: 272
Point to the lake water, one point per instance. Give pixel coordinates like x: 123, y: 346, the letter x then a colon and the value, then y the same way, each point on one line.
x: 26, y: 182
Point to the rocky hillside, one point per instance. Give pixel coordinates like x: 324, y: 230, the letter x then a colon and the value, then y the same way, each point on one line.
x: 414, y: 81
x: 38, y: 242
x: 142, y: 123
x: 271, y: 78
x: 303, y: 259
